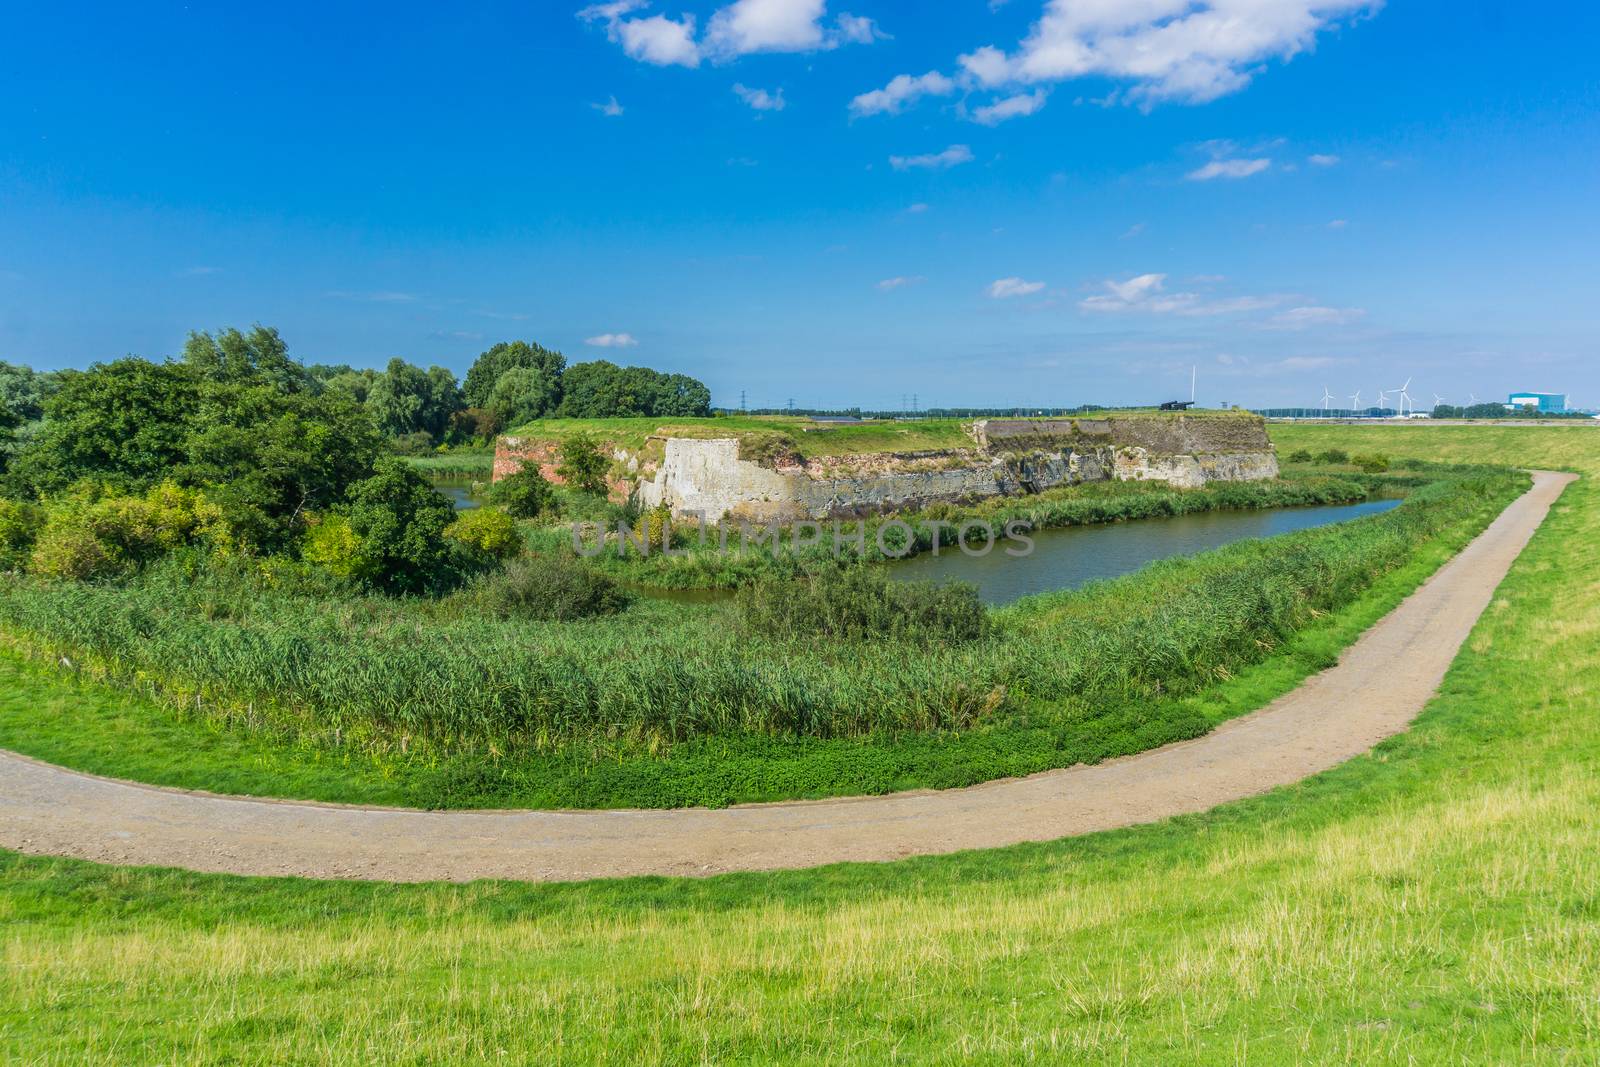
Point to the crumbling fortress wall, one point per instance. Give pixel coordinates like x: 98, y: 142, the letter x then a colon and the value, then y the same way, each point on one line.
x: 730, y: 477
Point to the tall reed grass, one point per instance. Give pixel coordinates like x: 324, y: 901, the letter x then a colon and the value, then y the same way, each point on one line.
x: 376, y: 670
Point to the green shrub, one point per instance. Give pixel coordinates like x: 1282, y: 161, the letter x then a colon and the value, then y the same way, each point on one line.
x: 1333, y: 456
x: 489, y: 531
x: 525, y: 494
x: 67, y: 550
x: 400, y: 521
x: 20, y: 523
x: 1300, y: 455
x: 583, y: 464
x: 1372, y: 463
x: 333, y: 545
x: 547, y: 588
x: 860, y: 603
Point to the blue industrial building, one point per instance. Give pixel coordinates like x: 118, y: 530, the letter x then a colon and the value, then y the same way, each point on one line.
x: 1541, y: 401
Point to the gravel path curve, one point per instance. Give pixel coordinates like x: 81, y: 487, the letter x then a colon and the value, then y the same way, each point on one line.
x: 1375, y: 690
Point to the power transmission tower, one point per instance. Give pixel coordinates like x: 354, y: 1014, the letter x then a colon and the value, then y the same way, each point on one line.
x: 791, y: 405
x: 741, y: 401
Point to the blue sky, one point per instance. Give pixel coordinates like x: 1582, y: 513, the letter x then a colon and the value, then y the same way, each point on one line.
x: 1058, y: 203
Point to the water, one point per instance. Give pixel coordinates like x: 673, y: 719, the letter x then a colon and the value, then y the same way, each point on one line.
x: 460, y: 496
x: 1071, y: 556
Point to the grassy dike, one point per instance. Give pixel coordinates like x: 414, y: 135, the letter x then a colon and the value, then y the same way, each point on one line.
x: 1432, y: 903
x: 1074, y: 677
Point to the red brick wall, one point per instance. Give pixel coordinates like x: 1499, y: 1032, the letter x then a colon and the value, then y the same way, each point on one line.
x: 511, y: 454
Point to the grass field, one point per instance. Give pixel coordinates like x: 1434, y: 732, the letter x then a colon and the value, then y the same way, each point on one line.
x: 1432, y: 903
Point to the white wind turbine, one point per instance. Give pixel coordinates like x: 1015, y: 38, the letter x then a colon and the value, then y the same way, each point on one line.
x: 1383, y: 400
x: 1355, y: 401
x: 1437, y: 400
x: 1405, y: 399
x: 1326, y: 396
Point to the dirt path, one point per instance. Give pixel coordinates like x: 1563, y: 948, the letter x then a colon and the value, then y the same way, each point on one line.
x: 1376, y: 689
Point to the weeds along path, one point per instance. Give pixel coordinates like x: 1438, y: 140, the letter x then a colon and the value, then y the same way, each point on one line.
x: 1376, y: 689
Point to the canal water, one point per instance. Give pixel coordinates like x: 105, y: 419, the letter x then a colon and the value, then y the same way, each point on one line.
x: 1071, y: 556
x: 460, y: 496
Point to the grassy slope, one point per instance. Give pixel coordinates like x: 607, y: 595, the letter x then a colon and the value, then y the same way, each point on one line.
x: 1433, y: 903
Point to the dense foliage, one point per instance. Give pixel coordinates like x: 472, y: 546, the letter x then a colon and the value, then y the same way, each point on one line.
x: 861, y: 602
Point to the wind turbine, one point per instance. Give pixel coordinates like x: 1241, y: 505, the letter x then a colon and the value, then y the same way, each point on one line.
x: 1355, y: 402
x: 1383, y: 400
x: 1326, y: 396
x: 1472, y: 398
x: 1405, y: 399
x: 1437, y: 400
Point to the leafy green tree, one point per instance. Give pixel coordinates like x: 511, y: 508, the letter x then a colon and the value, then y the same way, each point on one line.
x: 398, y: 398
x: 583, y: 464
x: 124, y: 422
x: 273, y: 457
x: 444, y: 400
x: 23, y: 390
x: 257, y: 357
x: 521, y: 395
x: 487, y: 369
x: 525, y: 494
x: 399, y: 521
x: 601, y: 389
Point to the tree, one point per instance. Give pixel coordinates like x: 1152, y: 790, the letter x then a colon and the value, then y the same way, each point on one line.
x: 488, y: 367
x: 524, y: 494
x: 521, y: 395
x: 123, y: 422
x: 23, y: 390
x: 583, y: 465
x: 259, y: 357
x: 601, y: 389
x: 444, y: 400
x: 399, y: 522
x: 398, y: 398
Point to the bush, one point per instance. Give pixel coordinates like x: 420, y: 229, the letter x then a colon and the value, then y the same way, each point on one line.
x: 400, y: 521
x: 333, y: 545
x: 1333, y: 456
x: 1300, y: 455
x: 487, y: 531
x: 546, y: 588
x: 857, y: 603
x: 66, y: 550
x: 1372, y: 463
x: 20, y: 524
x: 583, y: 465
x: 416, y: 443
x: 525, y: 494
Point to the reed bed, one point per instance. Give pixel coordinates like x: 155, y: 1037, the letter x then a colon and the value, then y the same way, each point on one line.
x: 402, y: 672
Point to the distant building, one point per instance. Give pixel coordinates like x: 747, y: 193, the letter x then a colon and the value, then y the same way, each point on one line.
x: 1542, y: 401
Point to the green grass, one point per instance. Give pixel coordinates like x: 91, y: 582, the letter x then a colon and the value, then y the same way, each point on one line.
x: 460, y: 465
x: 666, y: 705
x: 1434, y: 902
x: 813, y: 438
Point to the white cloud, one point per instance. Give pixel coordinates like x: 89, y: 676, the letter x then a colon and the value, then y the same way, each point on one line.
x: 612, y: 11
x: 1229, y: 168
x: 1337, y: 224
x: 612, y: 340
x: 902, y: 91
x: 917, y: 209
x: 1010, y: 107
x: 953, y: 156
x: 737, y: 29
x: 610, y: 109
x: 759, y: 99
x: 1185, y: 50
x: 1320, y: 160
x: 659, y: 40
x: 747, y: 26
x: 1146, y: 293
x: 889, y: 284
x: 1299, y: 318
x: 1005, y: 288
